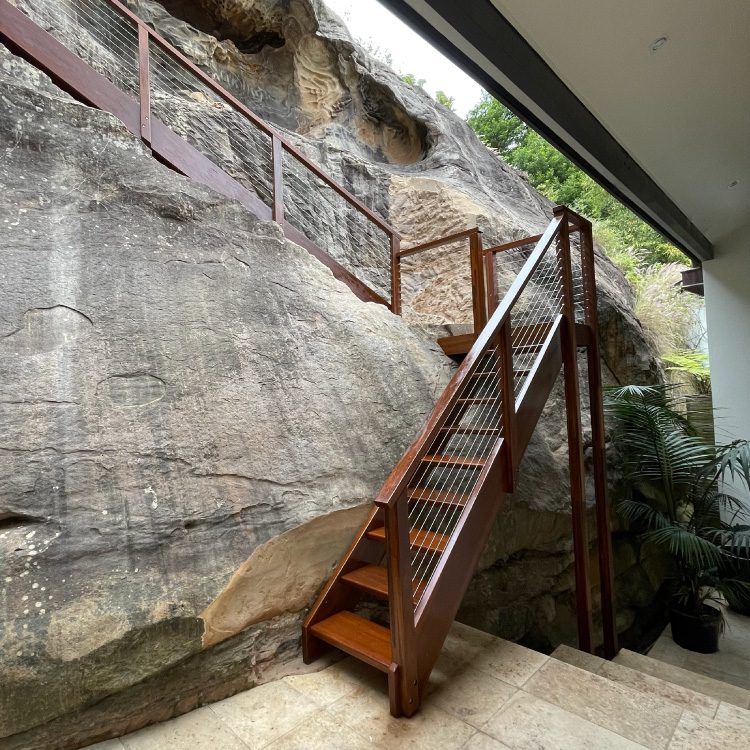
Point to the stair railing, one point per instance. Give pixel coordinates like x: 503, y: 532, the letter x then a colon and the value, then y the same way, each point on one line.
x: 138, y: 76
x: 501, y: 388
x: 470, y: 239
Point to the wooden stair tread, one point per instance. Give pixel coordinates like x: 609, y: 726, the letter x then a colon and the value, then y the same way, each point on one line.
x: 437, y: 497
x: 430, y: 541
x: 370, y: 578
x: 472, y: 462
x: 469, y: 430
x: 374, y: 580
x: 357, y: 636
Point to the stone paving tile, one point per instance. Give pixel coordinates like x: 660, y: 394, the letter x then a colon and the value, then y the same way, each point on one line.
x: 530, y: 723
x: 469, y: 695
x: 644, y: 719
x: 341, y: 679
x: 733, y: 716
x: 700, y: 733
x: 321, y: 732
x: 577, y: 658
x: 677, y: 694
x: 106, y: 745
x: 366, y: 711
x: 481, y: 741
x: 198, y: 730
x: 509, y: 662
x: 265, y: 713
x: 671, y: 672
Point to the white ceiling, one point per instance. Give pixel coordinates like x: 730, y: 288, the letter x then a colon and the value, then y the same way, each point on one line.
x: 682, y: 112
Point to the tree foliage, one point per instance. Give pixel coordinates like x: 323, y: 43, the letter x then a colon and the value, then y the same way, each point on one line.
x: 562, y: 182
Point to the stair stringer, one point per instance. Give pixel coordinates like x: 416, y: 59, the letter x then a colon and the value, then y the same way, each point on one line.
x: 337, y: 595
x: 459, y: 563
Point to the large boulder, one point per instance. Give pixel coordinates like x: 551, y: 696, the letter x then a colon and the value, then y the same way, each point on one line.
x: 195, y: 414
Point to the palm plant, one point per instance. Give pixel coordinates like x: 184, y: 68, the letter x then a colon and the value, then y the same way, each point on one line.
x: 679, y: 497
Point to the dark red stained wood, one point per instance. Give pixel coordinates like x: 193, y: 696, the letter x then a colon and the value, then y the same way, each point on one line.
x: 359, y: 637
x: 403, y: 685
x: 428, y: 541
x: 144, y: 81
x: 395, y: 275
x: 514, y: 244
x: 278, y: 179
x: 444, y: 593
x: 370, y: 578
x: 457, y: 345
x: 373, y: 580
x: 490, y: 274
x: 533, y: 397
x: 447, y: 240
x: 448, y: 459
x: 436, y: 497
x: 478, y: 293
x: 469, y: 430
x: 510, y: 423
x: 598, y: 434
x: 575, y: 445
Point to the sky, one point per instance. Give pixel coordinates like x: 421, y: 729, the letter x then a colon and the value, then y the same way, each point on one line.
x: 369, y: 22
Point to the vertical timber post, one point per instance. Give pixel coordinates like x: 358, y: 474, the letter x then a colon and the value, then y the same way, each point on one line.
x: 598, y: 438
x: 575, y: 440
x: 277, y: 150
x: 403, y: 688
x: 395, y: 274
x: 478, y: 294
x: 144, y: 81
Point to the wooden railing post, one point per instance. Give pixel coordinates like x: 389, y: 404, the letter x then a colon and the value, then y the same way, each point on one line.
x: 598, y: 439
x: 575, y: 441
x: 403, y: 681
x: 508, y: 401
x: 490, y: 275
x: 144, y: 81
x: 278, y: 179
x: 478, y: 293
x: 395, y: 274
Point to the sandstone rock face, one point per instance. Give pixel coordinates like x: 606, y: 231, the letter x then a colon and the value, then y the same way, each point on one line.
x: 179, y: 387
x: 195, y: 413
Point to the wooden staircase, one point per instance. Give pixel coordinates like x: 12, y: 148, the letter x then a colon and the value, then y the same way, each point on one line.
x: 428, y: 526
x: 421, y: 543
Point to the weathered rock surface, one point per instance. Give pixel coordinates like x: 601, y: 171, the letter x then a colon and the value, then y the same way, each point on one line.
x: 179, y: 386
x: 186, y: 399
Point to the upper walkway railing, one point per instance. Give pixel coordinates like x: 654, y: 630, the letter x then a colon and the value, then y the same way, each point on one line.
x: 104, y: 54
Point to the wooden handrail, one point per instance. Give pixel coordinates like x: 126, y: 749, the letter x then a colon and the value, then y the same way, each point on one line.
x: 438, y: 242
x: 511, y: 245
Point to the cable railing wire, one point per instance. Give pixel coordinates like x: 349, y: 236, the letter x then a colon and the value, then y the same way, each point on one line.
x: 488, y: 416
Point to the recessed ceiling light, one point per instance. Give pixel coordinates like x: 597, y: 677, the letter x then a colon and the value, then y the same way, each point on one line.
x: 657, y: 44
x: 733, y: 184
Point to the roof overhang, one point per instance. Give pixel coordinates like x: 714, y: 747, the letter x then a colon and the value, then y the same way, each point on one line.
x: 478, y: 38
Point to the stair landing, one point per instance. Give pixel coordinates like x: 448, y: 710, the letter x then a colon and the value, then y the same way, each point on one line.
x: 484, y: 694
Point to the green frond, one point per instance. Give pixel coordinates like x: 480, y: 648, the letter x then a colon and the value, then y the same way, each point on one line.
x: 691, y: 550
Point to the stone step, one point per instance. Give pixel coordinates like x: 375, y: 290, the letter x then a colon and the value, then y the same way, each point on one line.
x: 688, y: 698
x: 709, y: 686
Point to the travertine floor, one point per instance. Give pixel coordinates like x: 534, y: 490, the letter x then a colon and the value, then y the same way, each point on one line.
x: 730, y: 664
x: 484, y: 694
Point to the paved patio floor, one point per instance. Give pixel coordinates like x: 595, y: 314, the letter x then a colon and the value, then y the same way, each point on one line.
x: 484, y: 694
x: 731, y: 663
